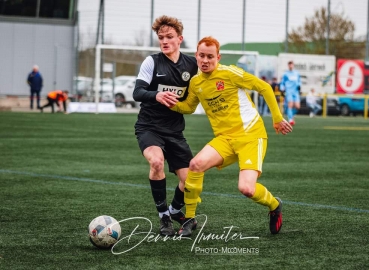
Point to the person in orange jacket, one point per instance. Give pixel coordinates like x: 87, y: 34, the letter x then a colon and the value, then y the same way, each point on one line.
x: 59, y: 97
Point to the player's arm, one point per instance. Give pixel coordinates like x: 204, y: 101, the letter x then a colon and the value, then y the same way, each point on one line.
x: 141, y: 92
x: 298, y: 82
x: 189, y: 105
x: 266, y: 90
x: 282, y: 84
x: 279, y: 123
x: 144, y: 78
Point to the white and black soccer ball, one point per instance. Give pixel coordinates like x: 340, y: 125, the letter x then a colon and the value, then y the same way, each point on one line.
x: 104, y: 231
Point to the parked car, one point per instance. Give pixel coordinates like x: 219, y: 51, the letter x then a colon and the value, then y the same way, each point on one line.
x: 333, y: 106
x: 352, y: 105
x: 123, y: 90
x: 84, y: 85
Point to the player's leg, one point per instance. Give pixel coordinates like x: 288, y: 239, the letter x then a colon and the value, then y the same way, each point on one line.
x: 178, y: 155
x: 296, y: 102
x: 289, y: 101
x: 251, y: 157
x: 49, y: 103
x: 212, y: 155
x: 53, y: 101
x: 151, y: 146
x: 31, y: 98
x: 38, y: 98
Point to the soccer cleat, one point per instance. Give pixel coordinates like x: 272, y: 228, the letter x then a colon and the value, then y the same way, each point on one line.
x: 275, y: 223
x: 188, y: 226
x: 166, y: 226
x: 179, y: 217
x: 292, y: 122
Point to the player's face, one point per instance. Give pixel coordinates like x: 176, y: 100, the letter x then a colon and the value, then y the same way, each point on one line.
x: 207, y: 58
x: 169, y: 40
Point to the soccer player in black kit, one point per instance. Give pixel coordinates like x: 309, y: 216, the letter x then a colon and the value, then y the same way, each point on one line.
x: 158, y: 129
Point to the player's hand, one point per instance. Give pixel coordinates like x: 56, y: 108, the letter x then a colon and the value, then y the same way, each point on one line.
x: 282, y: 127
x: 167, y: 98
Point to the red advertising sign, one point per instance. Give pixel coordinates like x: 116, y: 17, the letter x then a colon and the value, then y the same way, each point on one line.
x: 350, y: 76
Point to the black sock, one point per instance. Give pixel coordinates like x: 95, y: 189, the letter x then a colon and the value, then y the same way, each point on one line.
x: 159, y: 193
x: 178, y: 199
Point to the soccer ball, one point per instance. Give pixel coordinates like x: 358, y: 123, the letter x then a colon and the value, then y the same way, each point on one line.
x: 104, y: 231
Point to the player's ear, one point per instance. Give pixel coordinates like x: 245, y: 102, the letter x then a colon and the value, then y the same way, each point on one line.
x: 180, y: 39
x: 219, y: 57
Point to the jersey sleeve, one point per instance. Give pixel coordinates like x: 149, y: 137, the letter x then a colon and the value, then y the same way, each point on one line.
x: 189, y: 105
x: 266, y: 90
x: 146, y: 70
x: 251, y: 82
x: 143, y: 80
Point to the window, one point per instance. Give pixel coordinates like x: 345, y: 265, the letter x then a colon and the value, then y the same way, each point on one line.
x: 59, y: 9
x: 24, y: 8
x: 56, y: 9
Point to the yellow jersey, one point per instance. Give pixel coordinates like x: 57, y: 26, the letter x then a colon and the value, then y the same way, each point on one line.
x: 223, y: 95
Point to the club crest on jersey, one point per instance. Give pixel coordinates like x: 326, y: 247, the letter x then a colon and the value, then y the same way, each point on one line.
x: 220, y: 85
x: 185, y: 76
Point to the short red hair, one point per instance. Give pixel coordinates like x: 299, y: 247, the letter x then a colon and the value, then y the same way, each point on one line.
x: 209, y: 41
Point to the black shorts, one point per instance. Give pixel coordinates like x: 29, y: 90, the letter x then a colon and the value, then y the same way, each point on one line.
x: 175, y: 148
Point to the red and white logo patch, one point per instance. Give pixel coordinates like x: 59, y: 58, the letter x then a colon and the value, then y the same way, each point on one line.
x: 220, y: 85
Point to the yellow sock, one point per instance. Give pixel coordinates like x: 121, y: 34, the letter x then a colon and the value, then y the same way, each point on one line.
x: 193, y: 188
x: 264, y: 197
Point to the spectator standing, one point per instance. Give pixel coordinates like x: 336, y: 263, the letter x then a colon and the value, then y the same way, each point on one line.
x: 278, y: 94
x: 263, y: 107
x: 35, y: 82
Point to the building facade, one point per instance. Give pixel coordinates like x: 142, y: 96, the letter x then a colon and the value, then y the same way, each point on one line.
x: 37, y: 32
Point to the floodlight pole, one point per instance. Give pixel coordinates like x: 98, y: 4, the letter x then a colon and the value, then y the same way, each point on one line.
x: 243, y: 24
x: 198, y: 19
x: 286, y: 41
x: 152, y: 20
x: 367, y: 36
x: 327, y: 30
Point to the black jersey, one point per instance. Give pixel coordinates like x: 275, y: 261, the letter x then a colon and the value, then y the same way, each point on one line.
x: 162, y: 74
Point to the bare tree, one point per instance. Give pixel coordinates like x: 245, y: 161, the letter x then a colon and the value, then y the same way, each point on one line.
x: 311, y: 37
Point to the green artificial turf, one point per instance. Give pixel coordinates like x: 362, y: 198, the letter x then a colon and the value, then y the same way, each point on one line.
x: 58, y: 172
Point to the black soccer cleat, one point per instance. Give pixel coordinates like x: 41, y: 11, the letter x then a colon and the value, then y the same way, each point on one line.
x: 275, y: 223
x: 166, y: 226
x: 179, y: 217
x: 188, y: 226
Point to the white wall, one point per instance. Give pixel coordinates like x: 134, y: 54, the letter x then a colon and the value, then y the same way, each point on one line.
x: 23, y: 45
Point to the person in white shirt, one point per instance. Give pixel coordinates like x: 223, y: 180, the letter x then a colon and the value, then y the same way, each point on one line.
x: 312, y: 103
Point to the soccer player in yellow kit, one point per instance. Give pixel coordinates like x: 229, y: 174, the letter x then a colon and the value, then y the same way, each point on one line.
x: 239, y: 130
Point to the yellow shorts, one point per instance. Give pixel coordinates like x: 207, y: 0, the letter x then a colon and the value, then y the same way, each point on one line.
x: 249, y: 154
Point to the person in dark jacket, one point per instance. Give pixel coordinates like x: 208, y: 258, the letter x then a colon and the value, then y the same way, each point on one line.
x: 35, y: 82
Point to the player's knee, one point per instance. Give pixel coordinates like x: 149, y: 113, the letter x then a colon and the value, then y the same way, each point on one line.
x: 157, y: 164
x: 197, y: 164
x: 247, y: 189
